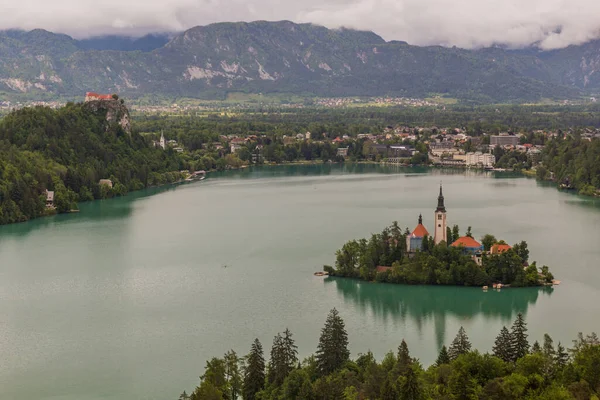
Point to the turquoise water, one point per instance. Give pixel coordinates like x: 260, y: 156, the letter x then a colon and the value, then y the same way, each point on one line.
x: 128, y: 299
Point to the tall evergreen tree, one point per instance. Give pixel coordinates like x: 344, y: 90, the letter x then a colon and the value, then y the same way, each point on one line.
x: 460, y: 344
x: 520, y: 344
x: 404, y: 359
x: 536, y: 348
x: 332, y: 351
x: 548, y: 348
x: 409, y: 387
x: 503, y: 345
x: 254, y: 373
x: 184, y: 396
x: 443, y: 357
x: 284, y: 355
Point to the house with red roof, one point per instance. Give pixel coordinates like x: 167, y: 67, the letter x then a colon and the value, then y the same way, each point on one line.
x: 414, y: 241
x: 500, y: 248
x: 469, y: 246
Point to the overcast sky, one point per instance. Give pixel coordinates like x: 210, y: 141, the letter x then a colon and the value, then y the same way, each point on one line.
x: 464, y: 23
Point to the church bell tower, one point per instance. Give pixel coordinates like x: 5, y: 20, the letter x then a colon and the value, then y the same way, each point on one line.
x: 440, y: 220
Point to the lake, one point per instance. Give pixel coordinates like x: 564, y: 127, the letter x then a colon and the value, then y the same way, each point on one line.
x: 130, y: 297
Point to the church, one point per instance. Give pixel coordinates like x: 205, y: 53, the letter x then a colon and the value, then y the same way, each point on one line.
x: 414, y: 241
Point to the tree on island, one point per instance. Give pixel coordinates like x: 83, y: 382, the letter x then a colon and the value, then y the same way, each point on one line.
x: 332, y: 352
x: 460, y: 345
x: 254, y: 373
x: 488, y: 241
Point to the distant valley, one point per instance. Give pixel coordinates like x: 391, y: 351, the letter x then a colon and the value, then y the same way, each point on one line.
x: 207, y: 62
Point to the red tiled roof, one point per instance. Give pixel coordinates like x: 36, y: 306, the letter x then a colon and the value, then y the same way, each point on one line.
x: 500, y: 248
x: 382, y: 269
x: 99, y: 96
x: 420, y: 231
x: 466, y: 241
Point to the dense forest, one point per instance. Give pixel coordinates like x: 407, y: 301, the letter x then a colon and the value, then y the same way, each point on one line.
x: 69, y: 151
x: 572, y: 162
x: 514, y: 370
x: 433, y: 264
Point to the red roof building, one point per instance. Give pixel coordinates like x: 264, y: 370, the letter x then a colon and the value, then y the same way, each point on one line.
x: 467, y: 242
x: 91, y: 96
x: 500, y: 248
x: 420, y: 230
x: 383, y: 269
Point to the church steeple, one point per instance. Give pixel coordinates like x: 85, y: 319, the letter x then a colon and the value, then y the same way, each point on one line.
x: 440, y: 206
x: 420, y: 219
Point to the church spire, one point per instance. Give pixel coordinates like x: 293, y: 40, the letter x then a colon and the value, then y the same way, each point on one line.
x: 440, y: 206
x: 420, y: 219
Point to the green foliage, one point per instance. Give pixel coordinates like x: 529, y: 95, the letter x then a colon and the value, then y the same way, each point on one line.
x: 460, y: 345
x: 332, y: 352
x: 464, y: 374
x: 433, y: 265
x: 254, y: 372
x: 519, y: 343
x: 284, y: 356
x: 503, y: 346
x: 68, y: 151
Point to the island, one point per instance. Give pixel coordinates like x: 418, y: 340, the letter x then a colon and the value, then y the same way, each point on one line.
x: 444, y: 258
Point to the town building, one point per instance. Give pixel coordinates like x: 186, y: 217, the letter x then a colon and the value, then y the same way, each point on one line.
x: 499, y: 248
x: 342, y: 151
x: 470, y: 246
x: 162, y: 143
x: 504, y: 140
x: 49, y: 199
x: 479, y: 159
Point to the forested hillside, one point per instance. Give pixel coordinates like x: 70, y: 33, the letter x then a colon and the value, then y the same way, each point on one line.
x: 208, y: 62
x: 68, y: 151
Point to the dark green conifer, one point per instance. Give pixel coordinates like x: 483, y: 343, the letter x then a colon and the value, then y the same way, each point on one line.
x: 518, y: 335
x: 404, y: 359
x: 460, y: 344
x: 548, y: 348
x: 388, y: 392
x: 562, y: 357
x: 443, y: 357
x: 254, y: 373
x: 503, y: 345
x: 536, y: 348
x: 332, y: 351
x: 284, y: 355
x: 409, y: 387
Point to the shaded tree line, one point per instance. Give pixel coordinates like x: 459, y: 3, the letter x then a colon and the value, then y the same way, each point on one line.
x: 513, y: 370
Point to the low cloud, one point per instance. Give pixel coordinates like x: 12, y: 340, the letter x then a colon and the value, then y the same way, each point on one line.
x: 549, y: 24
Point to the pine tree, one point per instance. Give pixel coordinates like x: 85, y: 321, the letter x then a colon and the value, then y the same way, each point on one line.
x: 254, y: 373
x: 332, y: 351
x: 184, y: 396
x: 284, y: 355
x: 548, y: 348
x: 443, y: 357
x: 409, y: 387
x: 404, y: 359
x: 503, y: 345
x: 562, y: 357
x: 460, y: 344
x: 520, y: 344
x: 536, y: 348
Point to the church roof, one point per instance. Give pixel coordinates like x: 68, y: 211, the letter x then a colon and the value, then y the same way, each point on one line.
x: 467, y: 242
x: 420, y: 231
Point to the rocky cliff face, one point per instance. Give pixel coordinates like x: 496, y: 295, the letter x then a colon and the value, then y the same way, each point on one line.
x: 116, y: 112
x: 208, y: 62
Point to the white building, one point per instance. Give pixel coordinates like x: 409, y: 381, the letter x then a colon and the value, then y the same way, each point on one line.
x: 481, y: 159
x: 162, y: 143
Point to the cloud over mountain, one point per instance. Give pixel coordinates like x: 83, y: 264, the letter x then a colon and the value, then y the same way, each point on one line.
x: 464, y: 23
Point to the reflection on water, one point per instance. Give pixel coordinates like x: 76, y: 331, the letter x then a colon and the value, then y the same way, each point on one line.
x: 423, y: 303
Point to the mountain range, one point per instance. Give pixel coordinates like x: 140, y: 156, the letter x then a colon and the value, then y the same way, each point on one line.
x: 207, y: 62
